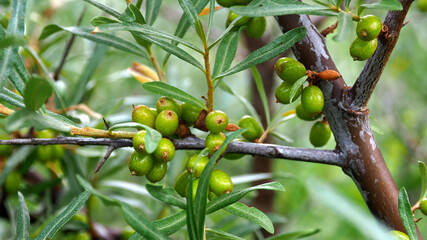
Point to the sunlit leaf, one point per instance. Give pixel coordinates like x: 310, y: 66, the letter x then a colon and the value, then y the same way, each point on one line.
x: 252, y: 214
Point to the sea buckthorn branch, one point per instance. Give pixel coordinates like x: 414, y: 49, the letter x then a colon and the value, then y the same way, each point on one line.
x: 329, y: 157
x: 365, y: 84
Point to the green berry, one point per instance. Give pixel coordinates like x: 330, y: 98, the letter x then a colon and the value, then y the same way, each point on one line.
x: 194, y: 187
x: 45, y: 153
x: 320, y: 134
x: 214, y: 141
x: 362, y: 50
x: 143, y: 115
x: 283, y: 93
x: 157, y: 172
x: 165, y: 103
x: 12, y: 182
x: 181, y: 183
x: 165, y: 151
x: 154, y: 111
x: 422, y: 5
x: 368, y: 28
x: 232, y: 15
x: 167, y: 122
x: 197, y: 169
x: 220, y: 183
x: 216, y: 121
x: 242, y: 2
x: 302, y: 114
x: 253, y: 129
x: 398, y: 235
x: 82, y: 236
x: 138, y: 141
x: 58, y: 151
x: 256, y: 27
x: 312, y: 100
x: 226, y: 3
x: 234, y: 156
x: 140, y: 164
x: 290, y: 71
x: 45, y: 134
x: 423, y: 206
x: 5, y: 150
x: 190, y: 113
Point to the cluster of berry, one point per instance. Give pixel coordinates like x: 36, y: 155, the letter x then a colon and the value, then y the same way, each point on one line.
x: 312, y: 101
x: 255, y: 27
x: 367, y: 30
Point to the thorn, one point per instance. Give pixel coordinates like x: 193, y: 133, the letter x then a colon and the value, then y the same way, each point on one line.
x: 106, y: 124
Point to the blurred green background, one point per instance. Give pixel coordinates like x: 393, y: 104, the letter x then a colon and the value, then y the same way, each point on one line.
x: 397, y: 110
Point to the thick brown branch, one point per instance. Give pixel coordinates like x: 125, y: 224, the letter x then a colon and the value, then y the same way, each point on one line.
x: 371, y: 73
x: 266, y: 150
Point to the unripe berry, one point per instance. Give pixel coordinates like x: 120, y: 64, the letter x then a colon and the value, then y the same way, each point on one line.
x: 157, y: 171
x: 256, y: 27
x: 167, y: 122
x: 398, y: 235
x: 232, y: 15
x: 302, y: 114
x: 320, y: 134
x: 143, y: 115
x: 362, y: 50
x: 234, y: 156
x: 165, y: 103
x: 197, y: 169
x: 181, y: 183
x: 216, y: 121
x: 194, y: 187
x: 5, y: 150
x: 12, y: 182
x: 226, y: 3
x: 422, y: 5
x: 368, y: 28
x: 283, y: 93
x: 140, y: 164
x: 190, y: 113
x: 253, y: 129
x: 242, y: 2
x: 220, y: 183
x: 423, y: 206
x: 312, y: 100
x: 289, y: 71
x: 45, y: 153
x: 138, y: 141
x: 165, y: 151
x: 45, y: 134
x: 214, y: 141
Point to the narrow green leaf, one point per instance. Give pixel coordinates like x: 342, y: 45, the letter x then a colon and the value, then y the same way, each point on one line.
x: 22, y: 219
x: 392, y: 5
x: 6, y: 64
x: 151, y: 34
x: 36, y: 92
x: 141, y: 225
x: 191, y: 216
x: 28, y: 118
x: 230, y: 198
x: 127, y: 15
x: 345, y: 26
x: 226, y: 52
x: 152, y: 138
x: 16, y: 26
x: 193, y: 17
x: 169, y: 225
x: 282, y: 7
x: 261, y: 91
x: 222, y: 235
x: 202, y: 188
x: 104, y: 8
x: 211, y: 15
x: 152, y: 9
x: 347, y: 4
x: 423, y: 172
x: 59, y: 118
x: 269, y: 51
x: 252, y: 214
x: 54, y: 226
x: 99, y: 20
x: 88, y: 187
x: 166, y: 194
x: 295, y: 234
x: 296, y: 86
x: 167, y: 90
x: 16, y: 80
x: 79, y: 90
x: 12, y: 98
x: 406, y: 214
x: 17, y: 157
x: 99, y: 37
x: 243, y: 100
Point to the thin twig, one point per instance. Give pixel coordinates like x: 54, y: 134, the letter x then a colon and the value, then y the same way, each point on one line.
x: 104, y: 159
x: 82, y: 107
x: 328, y: 157
x: 68, y: 48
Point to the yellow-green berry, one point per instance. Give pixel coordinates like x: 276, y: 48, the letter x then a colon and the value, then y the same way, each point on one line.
x: 290, y: 71
x: 140, y: 164
x: 216, y: 121
x: 283, y: 93
x: 143, y: 115
x: 165, y: 151
x: 362, y: 50
x: 423, y: 206
x: 398, y: 235
x: 312, y: 100
x: 197, y: 169
x: 214, y: 141
x: 190, y: 113
x: 157, y: 171
x: 138, y: 141
x: 181, y: 183
x: 320, y: 134
x: 232, y: 16
x: 368, y: 27
x: 167, y: 122
x: 5, y: 150
x: 303, y: 115
x: 253, y: 129
x: 256, y: 27
x: 220, y: 183
x: 165, y: 103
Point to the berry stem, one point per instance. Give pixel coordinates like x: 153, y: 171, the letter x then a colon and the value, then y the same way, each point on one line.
x: 337, y: 9
x: 208, y: 77
x: 156, y: 65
